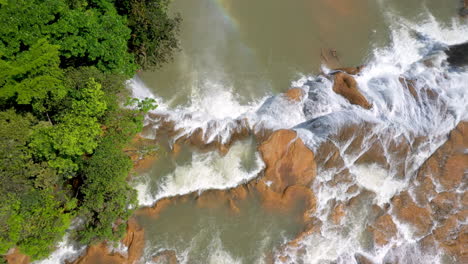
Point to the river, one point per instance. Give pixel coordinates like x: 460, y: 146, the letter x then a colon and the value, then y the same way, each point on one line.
x: 236, y: 58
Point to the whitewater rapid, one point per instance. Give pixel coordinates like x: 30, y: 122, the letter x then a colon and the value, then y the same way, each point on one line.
x: 321, y: 114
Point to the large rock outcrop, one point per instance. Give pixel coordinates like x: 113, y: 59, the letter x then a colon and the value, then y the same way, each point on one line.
x: 440, y: 190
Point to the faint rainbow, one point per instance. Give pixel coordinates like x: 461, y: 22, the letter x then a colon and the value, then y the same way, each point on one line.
x: 225, y: 9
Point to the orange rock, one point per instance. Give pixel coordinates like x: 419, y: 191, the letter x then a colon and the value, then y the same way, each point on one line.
x: 294, y: 94
x: 338, y: 213
x: 100, y: 254
x: 156, y: 209
x: 17, y: 257
x: 454, y: 171
x: 449, y: 163
x: 464, y: 199
x: 288, y: 161
x: 444, y: 203
x: 145, y: 163
x: 383, y: 229
x: 452, y: 235
x: 346, y: 86
x: 406, y: 210
x: 134, y: 240
x: 176, y: 148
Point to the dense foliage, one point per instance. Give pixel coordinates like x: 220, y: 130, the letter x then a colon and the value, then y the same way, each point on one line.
x: 63, y: 64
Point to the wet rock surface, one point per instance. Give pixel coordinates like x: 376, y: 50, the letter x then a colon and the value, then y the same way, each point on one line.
x: 383, y: 230
x: 295, y: 94
x: 346, y: 86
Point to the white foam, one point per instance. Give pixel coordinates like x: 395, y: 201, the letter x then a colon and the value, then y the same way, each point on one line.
x: 206, y: 171
x: 380, y: 181
x: 217, y: 254
x: 66, y: 251
x: 217, y: 110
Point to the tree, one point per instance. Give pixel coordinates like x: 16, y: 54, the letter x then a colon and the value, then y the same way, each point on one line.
x: 154, y: 34
x: 76, y: 132
x: 33, y: 77
x: 86, y: 36
x: 108, y: 200
x: 34, y: 213
x: 33, y: 221
x: 63, y: 64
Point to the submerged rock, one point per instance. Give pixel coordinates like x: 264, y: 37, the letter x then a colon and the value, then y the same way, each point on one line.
x: 166, y: 257
x: 288, y: 161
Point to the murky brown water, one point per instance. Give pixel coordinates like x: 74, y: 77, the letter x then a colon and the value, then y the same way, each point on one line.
x: 258, y: 47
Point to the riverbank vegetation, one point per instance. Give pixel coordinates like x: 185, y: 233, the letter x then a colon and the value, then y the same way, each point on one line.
x: 63, y: 65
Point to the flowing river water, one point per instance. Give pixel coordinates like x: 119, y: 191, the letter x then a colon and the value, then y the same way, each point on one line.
x: 236, y: 57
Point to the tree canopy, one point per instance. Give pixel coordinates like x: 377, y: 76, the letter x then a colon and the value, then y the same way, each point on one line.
x: 63, y: 64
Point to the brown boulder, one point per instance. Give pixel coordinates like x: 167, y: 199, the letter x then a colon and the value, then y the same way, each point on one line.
x: 100, y: 254
x: 16, y: 257
x: 294, y: 94
x: 407, y: 211
x: 443, y: 204
x: 452, y: 235
x: 288, y: 161
x: 449, y: 163
x: 454, y: 171
x: 346, y: 86
x: 383, y: 229
x: 338, y: 213
x: 134, y: 240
